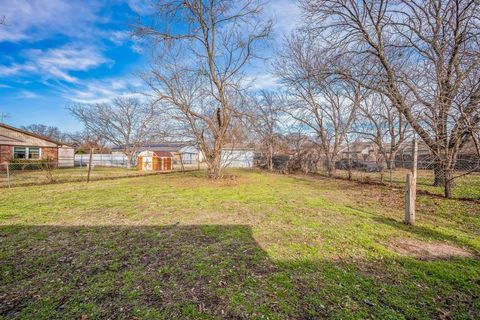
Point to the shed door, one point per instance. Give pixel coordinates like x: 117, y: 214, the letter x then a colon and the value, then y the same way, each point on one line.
x: 147, y: 163
x: 168, y: 164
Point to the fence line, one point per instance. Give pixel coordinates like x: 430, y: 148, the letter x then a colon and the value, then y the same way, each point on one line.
x: 106, y: 160
x: 40, y: 172
x: 467, y: 173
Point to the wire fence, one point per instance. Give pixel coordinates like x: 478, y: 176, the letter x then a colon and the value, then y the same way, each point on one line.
x: 466, y: 174
x: 41, y: 172
x: 103, y: 160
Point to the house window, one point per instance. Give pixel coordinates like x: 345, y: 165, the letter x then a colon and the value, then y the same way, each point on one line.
x: 19, y: 153
x: 34, y: 153
x: 30, y: 153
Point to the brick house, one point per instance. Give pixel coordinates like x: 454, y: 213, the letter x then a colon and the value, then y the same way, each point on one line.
x: 20, y: 144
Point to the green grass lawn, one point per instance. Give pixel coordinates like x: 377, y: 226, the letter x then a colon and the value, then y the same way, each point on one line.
x: 258, y: 246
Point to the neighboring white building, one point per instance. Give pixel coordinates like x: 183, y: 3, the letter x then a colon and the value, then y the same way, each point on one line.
x: 189, y: 154
x: 237, y: 157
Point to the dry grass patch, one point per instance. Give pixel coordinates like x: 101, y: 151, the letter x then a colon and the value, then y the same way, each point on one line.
x: 427, y: 250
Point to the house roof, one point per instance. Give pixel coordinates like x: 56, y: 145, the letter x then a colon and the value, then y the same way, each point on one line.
x: 163, y: 154
x: 167, y: 146
x: 233, y: 146
x: 6, y: 126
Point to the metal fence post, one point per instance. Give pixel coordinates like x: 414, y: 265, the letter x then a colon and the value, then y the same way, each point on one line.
x: 8, y: 175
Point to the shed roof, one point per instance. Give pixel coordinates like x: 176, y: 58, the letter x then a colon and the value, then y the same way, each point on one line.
x: 160, y: 154
x: 163, y: 154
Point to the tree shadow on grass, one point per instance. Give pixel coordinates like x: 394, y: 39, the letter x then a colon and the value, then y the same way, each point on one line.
x: 196, y: 272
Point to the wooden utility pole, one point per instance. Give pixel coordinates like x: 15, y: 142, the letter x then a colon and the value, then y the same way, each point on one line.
x: 411, y: 187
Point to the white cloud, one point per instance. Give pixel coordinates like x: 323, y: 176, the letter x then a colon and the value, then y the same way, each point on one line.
x: 100, y: 91
x: 35, y: 20
x: 142, y: 7
x: 27, y: 94
x: 286, y: 13
x: 118, y: 37
x: 57, y: 63
x: 262, y: 81
x: 10, y: 70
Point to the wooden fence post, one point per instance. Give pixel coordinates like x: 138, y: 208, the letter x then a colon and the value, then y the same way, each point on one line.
x: 411, y: 187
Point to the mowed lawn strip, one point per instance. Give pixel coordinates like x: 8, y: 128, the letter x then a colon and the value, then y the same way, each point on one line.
x: 252, y: 246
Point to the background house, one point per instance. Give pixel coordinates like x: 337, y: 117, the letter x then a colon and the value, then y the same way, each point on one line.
x: 17, y: 144
x: 237, y: 156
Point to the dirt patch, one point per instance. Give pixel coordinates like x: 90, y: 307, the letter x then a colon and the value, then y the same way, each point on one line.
x: 427, y: 250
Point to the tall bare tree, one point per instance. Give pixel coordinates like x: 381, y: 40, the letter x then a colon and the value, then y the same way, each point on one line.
x: 381, y: 123
x: 322, y: 101
x: 90, y: 141
x: 126, y: 122
x: 198, y: 69
x: 50, y: 132
x: 264, y: 119
x: 425, y: 51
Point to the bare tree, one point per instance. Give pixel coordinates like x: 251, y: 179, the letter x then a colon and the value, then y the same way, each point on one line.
x: 50, y: 132
x: 425, y: 51
x: 323, y: 102
x: 381, y: 123
x: 265, y: 123
x: 90, y: 141
x: 126, y: 123
x: 197, y: 71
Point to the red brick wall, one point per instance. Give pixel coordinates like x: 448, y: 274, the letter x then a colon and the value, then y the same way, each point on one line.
x: 47, y: 152
x: 5, y: 153
x: 50, y: 153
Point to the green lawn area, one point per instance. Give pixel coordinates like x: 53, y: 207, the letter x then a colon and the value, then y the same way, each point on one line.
x: 253, y: 246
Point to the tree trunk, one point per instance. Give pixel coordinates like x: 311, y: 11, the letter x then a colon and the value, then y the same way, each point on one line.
x: 448, y: 183
x: 181, y: 162
x: 330, y: 168
x: 129, y: 160
x: 90, y: 164
x: 439, y: 175
x: 214, y: 169
x: 390, y: 166
x: 270, y: 159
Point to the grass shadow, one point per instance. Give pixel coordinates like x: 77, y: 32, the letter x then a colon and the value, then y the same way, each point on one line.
x: 111, y: 272
x: 205, y: 272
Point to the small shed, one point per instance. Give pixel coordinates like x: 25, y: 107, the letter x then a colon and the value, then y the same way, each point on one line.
x: 155, y: 161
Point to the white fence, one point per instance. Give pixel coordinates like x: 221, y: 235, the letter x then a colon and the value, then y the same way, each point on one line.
x: 237, y: 158
x: 104, y: 160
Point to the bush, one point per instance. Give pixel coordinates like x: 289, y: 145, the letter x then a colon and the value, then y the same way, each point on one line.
x: 40, y: 164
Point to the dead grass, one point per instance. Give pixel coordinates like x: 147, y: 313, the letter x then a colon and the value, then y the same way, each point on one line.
x: 428, y: 250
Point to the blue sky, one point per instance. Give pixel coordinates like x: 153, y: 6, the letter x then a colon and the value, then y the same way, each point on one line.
x: 57, y: 52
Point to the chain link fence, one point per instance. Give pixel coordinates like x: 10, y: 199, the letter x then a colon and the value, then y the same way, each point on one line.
x: 467, y: 172
x: 41, y: 172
